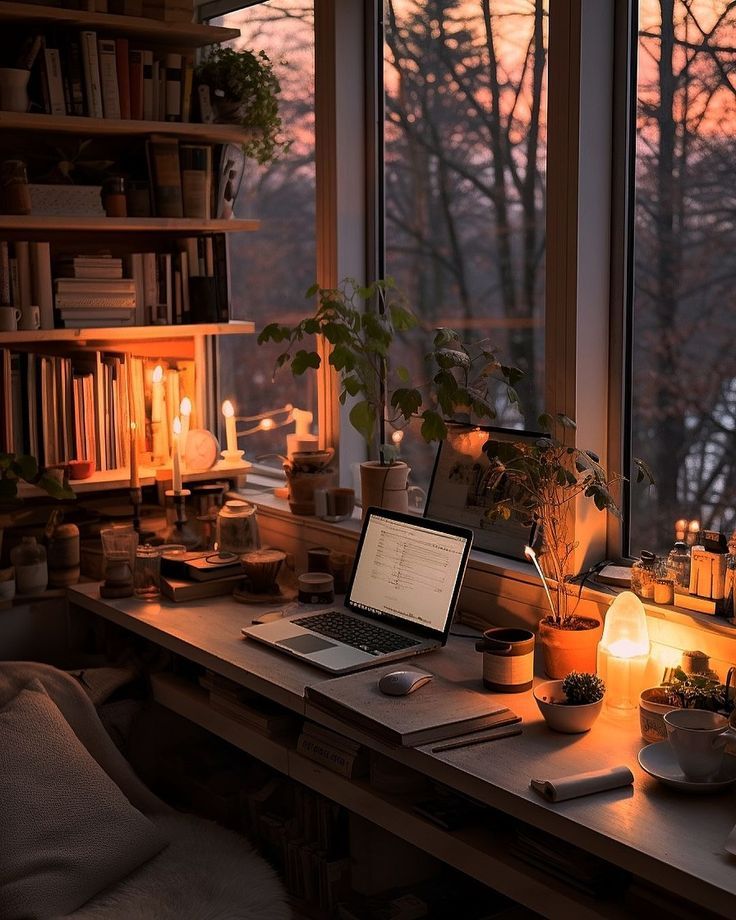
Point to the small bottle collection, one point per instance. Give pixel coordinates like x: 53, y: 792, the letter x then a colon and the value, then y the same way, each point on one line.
x: 698, y: 573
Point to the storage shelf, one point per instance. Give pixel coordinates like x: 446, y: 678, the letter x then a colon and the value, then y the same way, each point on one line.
x: 120, y: 479
x: 126, y: 333
x: 191, y: 34
x: 115, y: 127
x: 176, y: 226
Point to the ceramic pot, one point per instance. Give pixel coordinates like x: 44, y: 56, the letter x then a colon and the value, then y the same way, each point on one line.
x: 568, y: 650
x: 651, y: 714
x: 561, y: 717
x: 384, y: 486
x: 14, y: 89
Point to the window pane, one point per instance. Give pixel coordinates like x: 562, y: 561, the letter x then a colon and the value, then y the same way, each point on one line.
x: 684, y: 362
x: 272, y: 268
x: 465, y: 150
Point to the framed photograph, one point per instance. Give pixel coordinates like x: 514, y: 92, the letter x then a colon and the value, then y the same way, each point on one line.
x: 459, y: 490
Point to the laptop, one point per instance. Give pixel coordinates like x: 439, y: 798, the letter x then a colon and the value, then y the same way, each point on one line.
x: 400, y: 601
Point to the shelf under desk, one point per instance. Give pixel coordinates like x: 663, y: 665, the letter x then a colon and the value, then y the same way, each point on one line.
x: 671, y: 840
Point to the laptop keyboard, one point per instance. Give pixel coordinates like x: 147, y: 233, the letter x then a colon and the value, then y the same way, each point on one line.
x: 355, y: 632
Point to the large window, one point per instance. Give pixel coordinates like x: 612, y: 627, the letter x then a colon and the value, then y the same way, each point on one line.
x: 464, y: 182
x: 271, y: 269
x: 684, y: 360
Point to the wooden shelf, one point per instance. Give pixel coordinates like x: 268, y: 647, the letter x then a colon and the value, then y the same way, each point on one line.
x: 114, y: 127
x: 191, y: 34
x: 182, y: 226
x: 125, y: 333
x: 120, y: 479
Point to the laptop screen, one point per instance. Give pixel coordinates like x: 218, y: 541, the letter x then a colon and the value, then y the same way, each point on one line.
x: 409, y: 569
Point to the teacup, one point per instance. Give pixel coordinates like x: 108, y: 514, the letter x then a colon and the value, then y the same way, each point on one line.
x: 9, y: 317
x: 698, y: 738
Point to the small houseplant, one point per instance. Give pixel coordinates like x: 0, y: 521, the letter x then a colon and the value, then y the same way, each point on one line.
x: 683, y: 691
x: 571, y: 705
x: 538, y: 482
x: 244, y: 90
x: 360, y: 324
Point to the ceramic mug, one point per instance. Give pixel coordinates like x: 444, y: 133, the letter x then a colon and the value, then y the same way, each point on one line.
x: 9, y: 317
x: 698, y: 738
x: 30, y: 318
x: 508, y: 659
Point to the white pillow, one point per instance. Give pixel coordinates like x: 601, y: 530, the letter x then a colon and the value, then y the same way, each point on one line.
x: 66, y: 829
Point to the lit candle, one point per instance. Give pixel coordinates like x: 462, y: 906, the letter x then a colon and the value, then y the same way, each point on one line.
x: 693, y: 529
x: 267, y: 424
x: 185, y: 411
x: 135, y: 480
x: 623, y: 651
x: 680, y: 528
x: 228, y: 410
x: 175, y: 457
x: 157, y: 412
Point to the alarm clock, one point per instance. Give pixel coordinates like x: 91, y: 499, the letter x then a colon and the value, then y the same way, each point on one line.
x: 201, y: 451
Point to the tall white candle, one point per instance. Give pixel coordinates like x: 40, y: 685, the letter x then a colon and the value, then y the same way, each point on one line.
x: 228, y: 410
x: 185, y: 411
x: 175, y: 456
x: 135, y: 480
x: 157, y: 412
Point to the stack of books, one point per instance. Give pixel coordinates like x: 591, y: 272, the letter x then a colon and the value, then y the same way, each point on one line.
x: 93, y: 292
x: 246, y: 707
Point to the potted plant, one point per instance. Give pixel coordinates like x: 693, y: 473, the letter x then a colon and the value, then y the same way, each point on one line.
x: 684, y: 691
x: 537, y: 483
x: 360, y: 324
x: 244, y: 90
x: 571, y: 705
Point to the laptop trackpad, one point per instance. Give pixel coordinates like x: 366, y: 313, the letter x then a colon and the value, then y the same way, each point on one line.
x: 306, y: 644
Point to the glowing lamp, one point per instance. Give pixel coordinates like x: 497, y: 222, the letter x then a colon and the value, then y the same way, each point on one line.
x: 623, y: 651
x: 267, y: 424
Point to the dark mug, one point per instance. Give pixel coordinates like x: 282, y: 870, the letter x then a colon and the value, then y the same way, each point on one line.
x: 508, y: 659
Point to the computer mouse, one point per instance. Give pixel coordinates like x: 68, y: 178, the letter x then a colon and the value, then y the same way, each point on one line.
x: 399, y: 683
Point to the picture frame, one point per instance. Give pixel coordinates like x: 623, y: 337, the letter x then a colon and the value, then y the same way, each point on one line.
x: 458, y: 495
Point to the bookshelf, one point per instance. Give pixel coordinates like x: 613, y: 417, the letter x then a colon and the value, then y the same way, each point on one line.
x: 174, y: 339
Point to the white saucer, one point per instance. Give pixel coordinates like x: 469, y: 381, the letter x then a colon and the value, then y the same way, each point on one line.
x: 659, y: 761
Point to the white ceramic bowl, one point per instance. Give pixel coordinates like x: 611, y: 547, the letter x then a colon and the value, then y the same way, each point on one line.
x: 561, y: 717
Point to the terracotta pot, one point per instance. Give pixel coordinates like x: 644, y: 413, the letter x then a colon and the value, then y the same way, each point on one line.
x: 568, y: 650
x: 651, y: 714
x: 384, y: 486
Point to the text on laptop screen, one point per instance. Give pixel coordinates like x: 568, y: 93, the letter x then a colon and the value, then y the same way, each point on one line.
x: 407, y: 571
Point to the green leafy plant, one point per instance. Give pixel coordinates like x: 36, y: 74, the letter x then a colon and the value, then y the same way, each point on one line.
x: 247, y: 82
x: 581, y: 687
x: 537, y: 483
x: 697, y: 691
x: 360, y: 324
x: 16, y: 468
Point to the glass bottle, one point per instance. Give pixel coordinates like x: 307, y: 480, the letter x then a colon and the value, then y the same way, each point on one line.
x: 644, y: 575
x: 31, y: 569
x: 678, y: 566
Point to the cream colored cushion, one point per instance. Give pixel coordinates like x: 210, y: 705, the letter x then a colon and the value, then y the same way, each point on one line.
x: 66, y: 829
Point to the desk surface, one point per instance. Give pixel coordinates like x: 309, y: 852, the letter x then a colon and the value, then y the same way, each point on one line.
x: 673, y: 840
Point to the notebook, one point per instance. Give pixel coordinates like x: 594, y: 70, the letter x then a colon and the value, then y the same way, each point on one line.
x: 400, y: 602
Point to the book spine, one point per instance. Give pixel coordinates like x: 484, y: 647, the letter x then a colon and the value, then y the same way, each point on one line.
x: 4, y: 274
x: 222, y: 277
x: 165, y: 176
x: 14, y: 289
x: 173, y: 87
x: 92, y: 75
x: 196, y: 180
x: 57, y: 104
x: 147, y: 60
x: 333, y: 758
x: 25, y: 293
x: 43, y: 293
x: 109, y: 78
x: 123, y: 73
x: 136, y: 84
x: 187, y: 81
x: 75, y: 76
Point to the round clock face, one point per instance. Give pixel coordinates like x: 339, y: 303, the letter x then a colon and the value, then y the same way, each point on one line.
x: 201, y: 451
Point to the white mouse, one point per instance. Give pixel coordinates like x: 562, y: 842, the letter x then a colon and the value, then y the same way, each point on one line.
x: 399, y: 683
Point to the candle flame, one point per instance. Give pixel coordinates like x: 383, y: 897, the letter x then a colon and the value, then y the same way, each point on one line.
x: 133, y: 426
x: 177, y: 425
x: 158, y: 374
x: 185, y: 407
x: 227, y: 409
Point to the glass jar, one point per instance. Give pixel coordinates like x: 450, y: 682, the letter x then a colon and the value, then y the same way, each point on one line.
x: 678, y: 566
x: 644, y: 575
x: 31, y: 568
x: 113, y: 197
x: 147, y: 574
x: 237, y: 528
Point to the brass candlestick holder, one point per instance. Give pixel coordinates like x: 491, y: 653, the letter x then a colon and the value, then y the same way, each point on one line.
x: 180, y: 530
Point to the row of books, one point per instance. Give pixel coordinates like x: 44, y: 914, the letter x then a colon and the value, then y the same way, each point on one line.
x: 181, y: 178
x: 189, y: 285
x: 60, y: 408
x: 106, y: 78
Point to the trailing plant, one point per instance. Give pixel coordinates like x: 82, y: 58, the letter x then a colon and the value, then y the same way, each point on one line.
x: 581, y: 687
x: 360, y: 324
x: 246, y: 79
x: 537, y: 483
x: 16, y: 468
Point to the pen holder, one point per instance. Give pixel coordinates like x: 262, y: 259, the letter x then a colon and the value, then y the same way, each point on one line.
x: 202, y: 299
x: 508, y: 659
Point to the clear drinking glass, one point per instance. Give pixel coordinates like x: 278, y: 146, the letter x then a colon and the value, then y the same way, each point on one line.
x: 147, y: 574
x: 118, y: 549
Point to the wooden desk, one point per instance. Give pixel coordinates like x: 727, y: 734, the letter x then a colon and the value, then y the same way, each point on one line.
x: 671, y: 840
